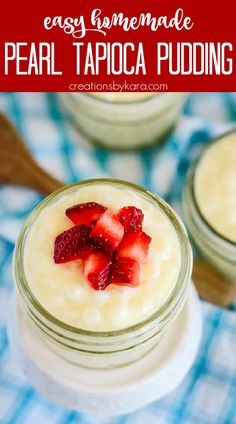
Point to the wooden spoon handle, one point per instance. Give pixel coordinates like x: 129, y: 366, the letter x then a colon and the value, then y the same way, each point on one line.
x: 212, y: 285
x: 37, y: 178
x: 17, y: 166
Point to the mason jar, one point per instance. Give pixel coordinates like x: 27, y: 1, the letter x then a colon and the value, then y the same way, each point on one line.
x: 102, y: 349
x: 213, y: 247
x: 124, y: 120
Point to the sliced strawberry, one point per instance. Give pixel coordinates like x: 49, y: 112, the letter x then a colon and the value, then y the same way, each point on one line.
x: 96, y: 270
x: 131, y: 218
x: 72, y: 244
x: 107, y: 232
x: 85, y: 213
x: 125, y: 272
x: 135, y: 245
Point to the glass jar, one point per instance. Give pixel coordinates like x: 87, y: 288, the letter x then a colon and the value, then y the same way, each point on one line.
x: 127, y: 123
x: 111, y: 348
x: 214, y: 248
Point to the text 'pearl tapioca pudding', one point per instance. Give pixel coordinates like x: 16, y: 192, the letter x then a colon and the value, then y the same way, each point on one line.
x: 148, y: 260
x: 215, y: 186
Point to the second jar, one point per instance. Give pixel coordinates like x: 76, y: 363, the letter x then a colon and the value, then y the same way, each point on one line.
x: 124, y: 120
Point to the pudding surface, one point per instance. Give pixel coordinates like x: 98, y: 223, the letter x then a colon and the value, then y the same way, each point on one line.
x: 215, y: 186
x: 62, y: 289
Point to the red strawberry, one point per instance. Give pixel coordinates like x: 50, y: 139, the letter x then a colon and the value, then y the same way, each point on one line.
x: 85, y: 213
x: 131, y: 218
x: 72, y: 244
x: 125, y: 272
x: 107, y: 232
x: 96, y: 270
x: 135, y: 245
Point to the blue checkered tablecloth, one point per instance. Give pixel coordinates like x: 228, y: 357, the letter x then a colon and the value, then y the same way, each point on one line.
x: 208, y: 393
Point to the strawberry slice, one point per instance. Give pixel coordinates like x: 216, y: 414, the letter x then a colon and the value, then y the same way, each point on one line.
x: 125, y: 272
x: 85, y: 213
x: 72, y: 244
x: 131, y: 218
x: 107, y: 233
x: 96, y: 270
x: 135, y: 245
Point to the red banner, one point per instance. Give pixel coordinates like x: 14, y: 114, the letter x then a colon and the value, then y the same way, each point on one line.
x: 118, y: 46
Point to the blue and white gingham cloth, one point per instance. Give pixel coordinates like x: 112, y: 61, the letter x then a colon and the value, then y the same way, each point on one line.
x: 208, y: 393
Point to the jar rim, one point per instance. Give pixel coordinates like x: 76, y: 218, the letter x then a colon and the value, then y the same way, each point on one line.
x: 191, y: 176
x: 70, y: 102
x: 104, y: 100
x: 172, y: 301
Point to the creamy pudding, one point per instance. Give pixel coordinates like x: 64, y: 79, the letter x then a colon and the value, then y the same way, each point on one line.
x: 209, y: 201
x: 62, y: 289
x: 215, y: 186
x: 90, y: 312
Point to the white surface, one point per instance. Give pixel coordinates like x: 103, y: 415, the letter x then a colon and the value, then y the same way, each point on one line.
x: 117, y: 391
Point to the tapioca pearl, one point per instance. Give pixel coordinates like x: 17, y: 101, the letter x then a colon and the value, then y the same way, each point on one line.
x: 78, y: 292
x: 161, y: 299
x: 71, y: 318
x: 103, y: 297
x: 127, y: 293
x: 123, y: 311
x: 121, y: 306
x: 165, y: 249
x: 148, y: 270
x: 74, y: 291
x: 91, y: 316
x: 119, y: 314
x: 147, y: 306
x: 153, y: 274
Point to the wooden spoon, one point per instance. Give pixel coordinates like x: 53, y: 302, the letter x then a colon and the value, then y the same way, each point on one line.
x: 18, y: 167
